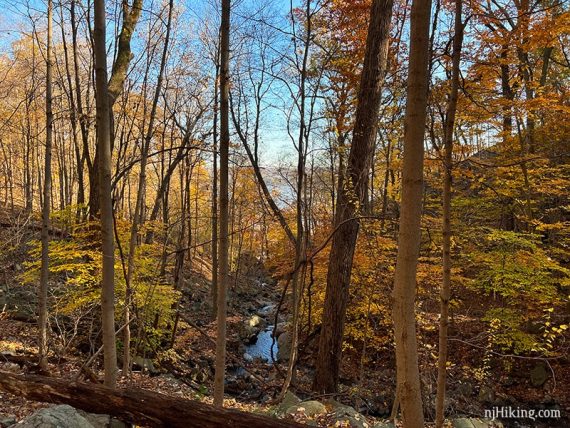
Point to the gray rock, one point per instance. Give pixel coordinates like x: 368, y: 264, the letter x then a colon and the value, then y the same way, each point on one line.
x: 289, y: 399
x: 280, y: 329
x: 310, y: 408
x: 248, y: 357
x: 144, y: 364
x: 7, y: 421
x: 284, y: 347
x: 115, y: 423
x: 346, y: 414
x: 475, y: 423
x: 539, y: 375
x: 384, y: 425
x: 63, y: 416
x: 340, y: 410
x: 98, y: 421
x: 266, y: 310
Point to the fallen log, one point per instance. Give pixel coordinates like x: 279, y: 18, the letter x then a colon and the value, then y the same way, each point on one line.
x: 134, y: 405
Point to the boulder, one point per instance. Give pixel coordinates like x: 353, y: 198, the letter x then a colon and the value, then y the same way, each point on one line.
x: 256, y: 321
x: 7, y: 421
x: 284, y: 347
x: 344, y: 414
x: 280, y: 329
x: 311, y: 409
x: 144, y: 364
x: 289, y: 399
x: 62, y: 416
x: 475, y: 423
x: 266, y: 310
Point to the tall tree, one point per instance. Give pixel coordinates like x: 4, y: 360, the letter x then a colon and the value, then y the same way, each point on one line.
x: 44, y: 275
x: 141, y: 192
x: 448, y: 129
x: 351, y: 193
x: 404, y: 293
x: 105, y: 195
x: 223, y: 276
x: 115, y: 85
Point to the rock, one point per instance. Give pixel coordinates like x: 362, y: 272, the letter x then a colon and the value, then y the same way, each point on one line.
x: 340, y: 410
x: 7, y: 421
x: 248, y: 358
x: 539, y: 375
x: 62, y: 416
x: 289, y: 399
x: 144, y: 364
x: 266, y: 310
x: 98, y: 421
x: 475, y: 423
x: 115, y: 423
x: 255, y: 321
x: 346, y: 414
x: 384, y: 425
x: 310, y: 408
x: 284, y: 347
x: 280, y: 329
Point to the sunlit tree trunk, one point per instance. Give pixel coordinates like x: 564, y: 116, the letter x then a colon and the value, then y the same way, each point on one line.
x: 351, y: 193
x: 44, y: 275
x: 408, y: 376
x: 224, y: 205
x: 105, y: 196
x: 449, y: 125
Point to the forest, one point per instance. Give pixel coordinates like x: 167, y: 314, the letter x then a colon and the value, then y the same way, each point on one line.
x: 241, y: 213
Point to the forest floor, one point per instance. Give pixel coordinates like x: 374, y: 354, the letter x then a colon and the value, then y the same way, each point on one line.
x: 187, y: 369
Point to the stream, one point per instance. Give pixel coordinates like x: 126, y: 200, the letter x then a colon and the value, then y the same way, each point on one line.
x: 262, y: 347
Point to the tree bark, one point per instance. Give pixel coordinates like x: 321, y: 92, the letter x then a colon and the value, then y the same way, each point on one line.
x: 115, y: 86
x: 214, y: 285
x: 447, y: 183
x: 351, y: 192
x: 134, y: 405
x: 105, y: 189
x: 404, y: 293
x: 44, y: 275
x: 224, y: 205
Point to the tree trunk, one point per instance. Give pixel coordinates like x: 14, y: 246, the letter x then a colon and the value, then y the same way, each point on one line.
x: 351, y: 193
x: 44, y: 275
x: 214, y: 285
x: 224, y: 205
x: 447, y: 182
x: 115, y: 86
x: 408, y: 376
x: 134, y: 405
x: 105, y: 189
